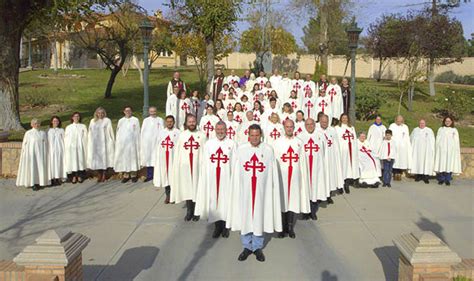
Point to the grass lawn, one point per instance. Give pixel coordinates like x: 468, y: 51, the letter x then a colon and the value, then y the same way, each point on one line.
x: 84, y: 93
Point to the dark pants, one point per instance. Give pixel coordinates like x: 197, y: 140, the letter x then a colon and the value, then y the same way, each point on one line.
x: 445, y: 177
x: 387, y: 171
x: 149, y: 172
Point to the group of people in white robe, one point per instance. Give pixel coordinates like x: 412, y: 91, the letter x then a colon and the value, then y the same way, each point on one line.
x: 243, y: 168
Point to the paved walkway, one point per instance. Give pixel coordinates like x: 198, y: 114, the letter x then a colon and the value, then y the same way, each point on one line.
x: 136, y: 237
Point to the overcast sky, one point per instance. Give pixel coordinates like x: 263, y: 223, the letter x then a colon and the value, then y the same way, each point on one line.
x: 366, y: 11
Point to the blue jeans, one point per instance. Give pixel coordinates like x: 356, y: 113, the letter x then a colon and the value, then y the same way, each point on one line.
x: 444, y: 176
x: 387, y: 171
x: 149, y: 172
x: 252, y: 242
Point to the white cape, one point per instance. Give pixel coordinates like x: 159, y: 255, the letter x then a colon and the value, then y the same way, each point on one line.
x: 423, y: 151
x: 33, y: 168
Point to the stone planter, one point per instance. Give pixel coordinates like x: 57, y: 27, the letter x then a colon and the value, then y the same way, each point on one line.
x: 4, y: 136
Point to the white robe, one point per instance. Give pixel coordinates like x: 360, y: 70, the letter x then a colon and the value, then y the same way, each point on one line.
x: 349, y: 151
x: 423, y: 151
x: 100, y: 144
x: 239, y: 116
x: 164, y: 155
x: 185, y: 107
x: 232, y: 129
x: 293, y: 175
x: 334, y: 93
x: 272, y: 132
x: 309, y: 85
x: 275, y: 80
x: 214, y: 187
x: 310, y: 108
x: 261, y: 81
x: 186, y: 165
x: 127, y: 145
x: 324, y: 105
x: 255, y: 203
x: 332, y: 159
x: 388, y: 150
x: 299, y: 128
x: 231, y: 79
x: 243, y: 134
x: 33, y: 168
x: 221, y: 114
x: 208, y: 125
x: 448, y: 151
x: 313, y: 150
x: 401, y: 137
x: 369, y: 164
x: 375, y: 137
x: 169, y: 89
x: 172, y: 107
x: 297, y: 85
x: 284, y: 88
x: 75, y: 148
x: 151, y: 128
x: 56, y: 153
x: 198, y: 107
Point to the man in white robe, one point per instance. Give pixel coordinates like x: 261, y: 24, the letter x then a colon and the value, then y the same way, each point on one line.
x: 309, y: 87
x: 33, y: 167
x: 231, y: 78
x: 349, y: 153
x: 323, y: 104
x: 232, y: 126
x: 273, y: 130
x: 332, y: 157
x: 56, y: 167
x: 423, y: 152
x: 127, y: 146
x: 214, y: 187
x: 172, y: 103
x: 309, y: 106
x: 243, y: 134
x: 297, y: 85
x: 369, y: 163
x: 262, y: 79
x: 284, y: 87
x: 164, y: 155
x: 175, y: 82
x: 448, y: 152
x: 313, y: 151
x: 401, y: 137
x: 334, y: 93
x: 376, y: 134
x: 275, y: 79
x: 75, y: 148
x: 186, y: 165
x: 293, y: 177
x: 255, y: 203
x: 151, y: 127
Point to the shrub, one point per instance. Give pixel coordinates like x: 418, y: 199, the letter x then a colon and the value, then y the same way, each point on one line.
x: 454, y: 104
x: 451, y: 77
x: 35, y: 99
x: 368, y: 102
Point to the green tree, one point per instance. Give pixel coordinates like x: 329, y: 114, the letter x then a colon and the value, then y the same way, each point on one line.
x: 282, y: 42
x: 193, y: 45
x: 111, y: 33
x: 210, y: 19
x: 16, y: 15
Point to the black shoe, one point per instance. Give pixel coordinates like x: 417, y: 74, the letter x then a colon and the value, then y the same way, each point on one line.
x: 389, y: 185
x: 330, y: 201
x: 426, y: 181
x: 291, y: 231
x: 147, y: 179
x: 417, y: 178
x: 125, y: 180
x: 134, y: 179
x: 244, y: 255
x: 226, y: 232
x: 189, y: 210
x: 384, y: 185
x: 314, y: 208
x: 447, y: 183
x: 340, y: 191
x: 281, y: 234
x: 306, y: 217
x: 346, y: 189
x: 217, y: 230
x: 440, y: 182
x: 35, y: 187
x: 196, y: 218
x: 259, y: 254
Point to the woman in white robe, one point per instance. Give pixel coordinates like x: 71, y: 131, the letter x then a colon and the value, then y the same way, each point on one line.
x: 401, y: 137
x: 33, y: 168
x: 75, y: 148
x: 348, y: 146
x: 448, y: 152
x: 423, y: 152
x: 100, y: 144
x: 376, y: 134
x: 56, y: 152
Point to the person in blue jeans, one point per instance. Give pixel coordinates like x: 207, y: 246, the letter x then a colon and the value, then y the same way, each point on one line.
x: 387, y: 155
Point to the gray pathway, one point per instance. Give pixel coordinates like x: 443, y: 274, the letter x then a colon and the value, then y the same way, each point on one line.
x: 136, y: 237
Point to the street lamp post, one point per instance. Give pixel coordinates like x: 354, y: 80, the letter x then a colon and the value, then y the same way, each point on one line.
x: 146, y: 29
x: 353, y: 33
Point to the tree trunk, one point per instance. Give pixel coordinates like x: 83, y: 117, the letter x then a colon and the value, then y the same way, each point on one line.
x: 431, y: 78
x: 379, y: 76
x: 113, y: 74
x: 137, y: 65
x: 10, y: 36
x: 323, y: 37
x: 348, y: 60
x: 209, y: 62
